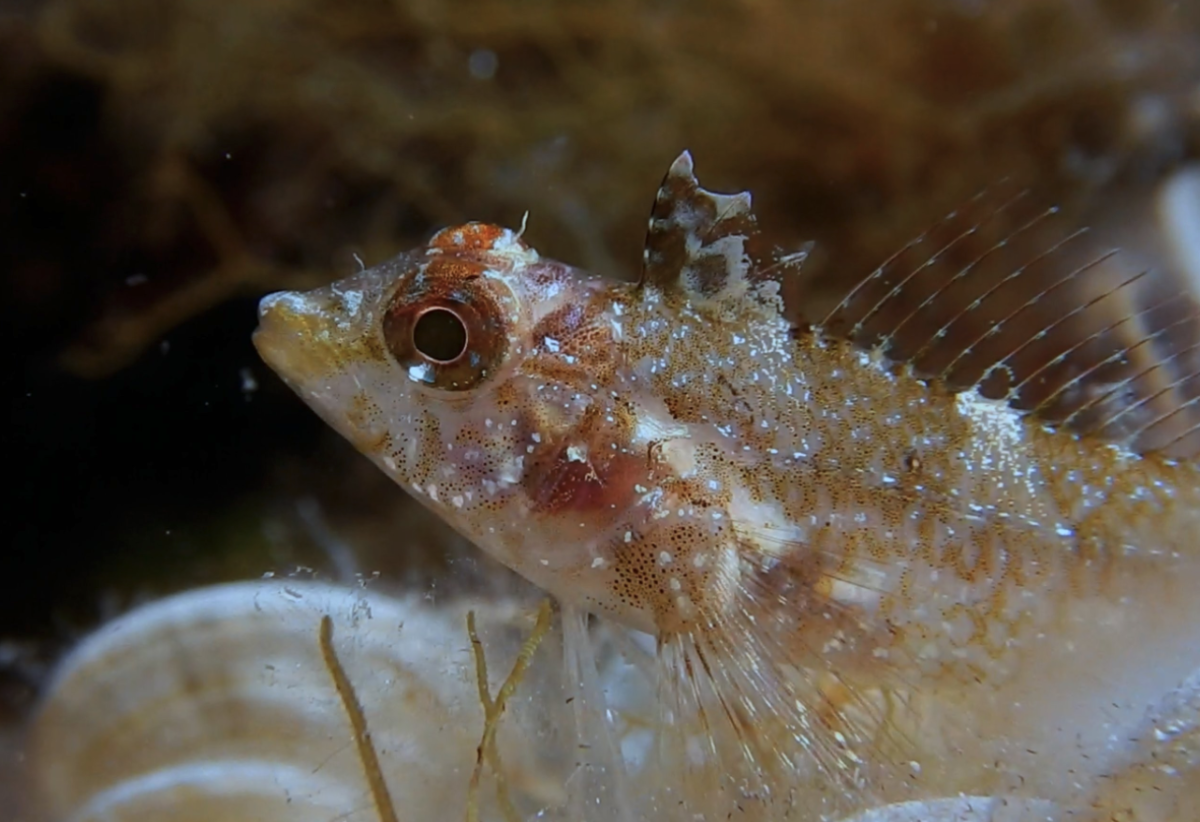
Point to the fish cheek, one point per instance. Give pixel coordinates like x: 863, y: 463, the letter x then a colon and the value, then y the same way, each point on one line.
x: 366, y: 427
x: 584, y: 467
x: 575, y: 478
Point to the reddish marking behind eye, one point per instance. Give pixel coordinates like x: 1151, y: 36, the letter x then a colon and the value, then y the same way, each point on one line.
x: 468, y: 237
x: 564, y: 322
x: 582, y: 351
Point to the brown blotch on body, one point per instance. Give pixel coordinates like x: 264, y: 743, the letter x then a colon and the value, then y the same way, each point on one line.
x: 586, y: 468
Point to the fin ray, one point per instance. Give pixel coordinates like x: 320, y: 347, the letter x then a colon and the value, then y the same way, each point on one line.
x: 1029, y: 303
x: 1015, y: 391
x: 1004, y: 296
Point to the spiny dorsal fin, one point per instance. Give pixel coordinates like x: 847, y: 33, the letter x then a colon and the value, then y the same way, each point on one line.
x: 697, y: 242
x: 1002, y: 297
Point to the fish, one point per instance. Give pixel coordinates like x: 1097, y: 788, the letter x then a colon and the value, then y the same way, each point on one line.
x: 933, y: 543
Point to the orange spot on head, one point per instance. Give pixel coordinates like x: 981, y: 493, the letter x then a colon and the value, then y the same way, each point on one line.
x: 468, y: 237
x: 446, y: 273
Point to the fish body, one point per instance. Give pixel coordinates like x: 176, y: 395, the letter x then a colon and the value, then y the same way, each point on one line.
x: 865, y: 585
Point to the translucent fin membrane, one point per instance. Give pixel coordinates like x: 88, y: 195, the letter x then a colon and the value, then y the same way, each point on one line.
x: 809, y: 724
x: 1006, y: 296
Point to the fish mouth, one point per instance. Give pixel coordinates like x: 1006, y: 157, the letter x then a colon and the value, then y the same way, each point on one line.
x: 295, y: 336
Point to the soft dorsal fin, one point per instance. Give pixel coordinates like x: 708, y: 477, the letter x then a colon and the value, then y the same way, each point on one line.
x: 1003, y: 296
x: 698, y: 243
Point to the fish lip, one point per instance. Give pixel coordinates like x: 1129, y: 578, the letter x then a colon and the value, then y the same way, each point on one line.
x: 269, y: 337
x: 285, y: 337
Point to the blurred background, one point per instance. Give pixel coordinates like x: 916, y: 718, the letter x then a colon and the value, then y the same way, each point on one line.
x: 164, y: 163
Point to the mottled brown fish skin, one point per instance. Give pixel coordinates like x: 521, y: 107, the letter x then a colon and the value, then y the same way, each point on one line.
x: 676, y: 456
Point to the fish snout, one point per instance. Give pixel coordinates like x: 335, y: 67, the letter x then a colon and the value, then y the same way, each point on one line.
x: 299, y: 335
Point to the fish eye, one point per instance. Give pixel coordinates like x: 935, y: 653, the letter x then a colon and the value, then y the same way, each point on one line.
x: 451, y: 342
x: 440, y: 335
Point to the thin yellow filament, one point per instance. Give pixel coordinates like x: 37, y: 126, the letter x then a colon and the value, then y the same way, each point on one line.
x: 358, y: 721
x: 493, y: 709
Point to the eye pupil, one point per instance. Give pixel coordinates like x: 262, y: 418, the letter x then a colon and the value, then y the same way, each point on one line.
x: 444, y: 342
x: 440, y: 335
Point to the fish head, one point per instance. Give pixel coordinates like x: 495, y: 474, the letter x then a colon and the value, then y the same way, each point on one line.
x: 477, y: 375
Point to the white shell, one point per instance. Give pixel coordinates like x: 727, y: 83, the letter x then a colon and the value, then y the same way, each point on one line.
x: 217, y: 705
